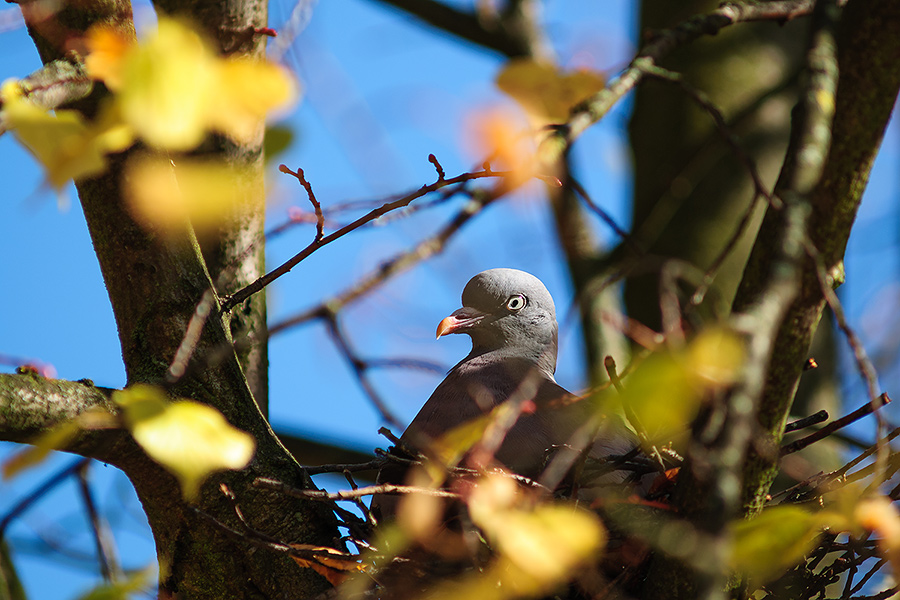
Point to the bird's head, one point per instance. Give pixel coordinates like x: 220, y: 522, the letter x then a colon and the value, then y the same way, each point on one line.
x: 507, y: 311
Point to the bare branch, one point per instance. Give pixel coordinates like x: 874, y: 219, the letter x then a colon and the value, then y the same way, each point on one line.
x: 231, y: 301
x: 386, y: 488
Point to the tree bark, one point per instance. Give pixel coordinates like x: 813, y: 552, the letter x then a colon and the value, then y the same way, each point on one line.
x: 155, y: 283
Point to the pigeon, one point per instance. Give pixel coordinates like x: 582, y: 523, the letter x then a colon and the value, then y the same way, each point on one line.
x: 511, y: 319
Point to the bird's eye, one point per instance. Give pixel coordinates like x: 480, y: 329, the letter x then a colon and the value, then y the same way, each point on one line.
x: 516, y: 302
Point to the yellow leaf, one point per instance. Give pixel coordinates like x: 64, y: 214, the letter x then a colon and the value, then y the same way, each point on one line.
x: 35, y: 454
x: 173, y: 88
x: 107, y: 48
x: 879, y: 514
x: 191, y: 440
x: 138, y: 582
x: 715, y: 356
x: 544, y: 91
x: 774, y: 541
x: 167, y: 87
x: 538, y: 547
x: 165, y: 195
x: 247, y: 90
x: 66, y: 145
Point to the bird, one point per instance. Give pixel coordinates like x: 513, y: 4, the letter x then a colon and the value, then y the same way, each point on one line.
x: 511, y: 319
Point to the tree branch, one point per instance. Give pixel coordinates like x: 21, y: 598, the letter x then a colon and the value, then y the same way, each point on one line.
x: 868, y: 44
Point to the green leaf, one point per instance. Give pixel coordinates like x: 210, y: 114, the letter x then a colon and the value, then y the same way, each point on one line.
x: 121, y: 590
x: 774, y: 541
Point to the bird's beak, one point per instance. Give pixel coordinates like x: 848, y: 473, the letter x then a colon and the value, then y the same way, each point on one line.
x: 459, y: 321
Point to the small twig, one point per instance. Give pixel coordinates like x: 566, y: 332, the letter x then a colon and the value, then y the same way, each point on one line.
x: 346, y: 468
x: 805, y: 422
x: 437, y: 166
x: 399, y: 263
x: 604, y: 216
x: 857, y: 414
x: 610, y: 364
x: 863, y: 455
x: 384, y: 431
x: 191, y: 338
x: 106, y: 551
x: 370, y: 490
x: 320, y: 218
x: 247, y: 291
x: 359, y: 367
x: 259, y: 539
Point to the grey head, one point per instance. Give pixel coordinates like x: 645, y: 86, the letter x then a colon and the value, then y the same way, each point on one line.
x: 509, y: 314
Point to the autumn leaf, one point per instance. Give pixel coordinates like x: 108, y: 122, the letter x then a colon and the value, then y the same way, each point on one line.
x: 333, y: 565
x: 164, y: 194
x: 63, y: 142
x: 545, y: 92
x: 666, y: 390
x: 172, y: 88
x: 879, y: 514
x: 714, y: 357
x: 538, y: 547
x: 774, y: 541
x: 505, y: 140
x: 191, y: 440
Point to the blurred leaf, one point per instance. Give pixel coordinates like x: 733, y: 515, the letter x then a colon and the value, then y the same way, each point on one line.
x: 544, y: 91
x: 245, y: 92
x: 774, y: 541
x: 57, y: 438
x: 666, y: 390
x: 106, y: 49
x: 164, y: 194
x: 538, y: 547
x: 191, y: 440
x: 505, y: 140
x: 33, y: 455
x: 65, y: 144
x: 661, y: 396
x: 136, y: 583
x: 172, y: 87
x: 879, y: 514
x: 715, y: 357
x: 276, y: 141
x: 419, y: 515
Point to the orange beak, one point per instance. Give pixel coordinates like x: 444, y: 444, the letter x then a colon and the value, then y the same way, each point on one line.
x: 459, y: 321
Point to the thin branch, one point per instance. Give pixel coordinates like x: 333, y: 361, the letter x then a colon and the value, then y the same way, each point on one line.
x: 370, y: 490
x: 106, y: 550
x: 192, y: 334
x: 399, y: 263
x: 320, y: 218
x: 595, y: 108
x: 233, y: 300
x: 42, y: 490
x: 856, y: 415
x: 604, y: 216
x: 359, y: 367
x: 462, y: 24
x: 813, y: 419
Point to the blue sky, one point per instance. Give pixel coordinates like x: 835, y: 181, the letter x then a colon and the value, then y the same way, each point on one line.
x: 364, y: 130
